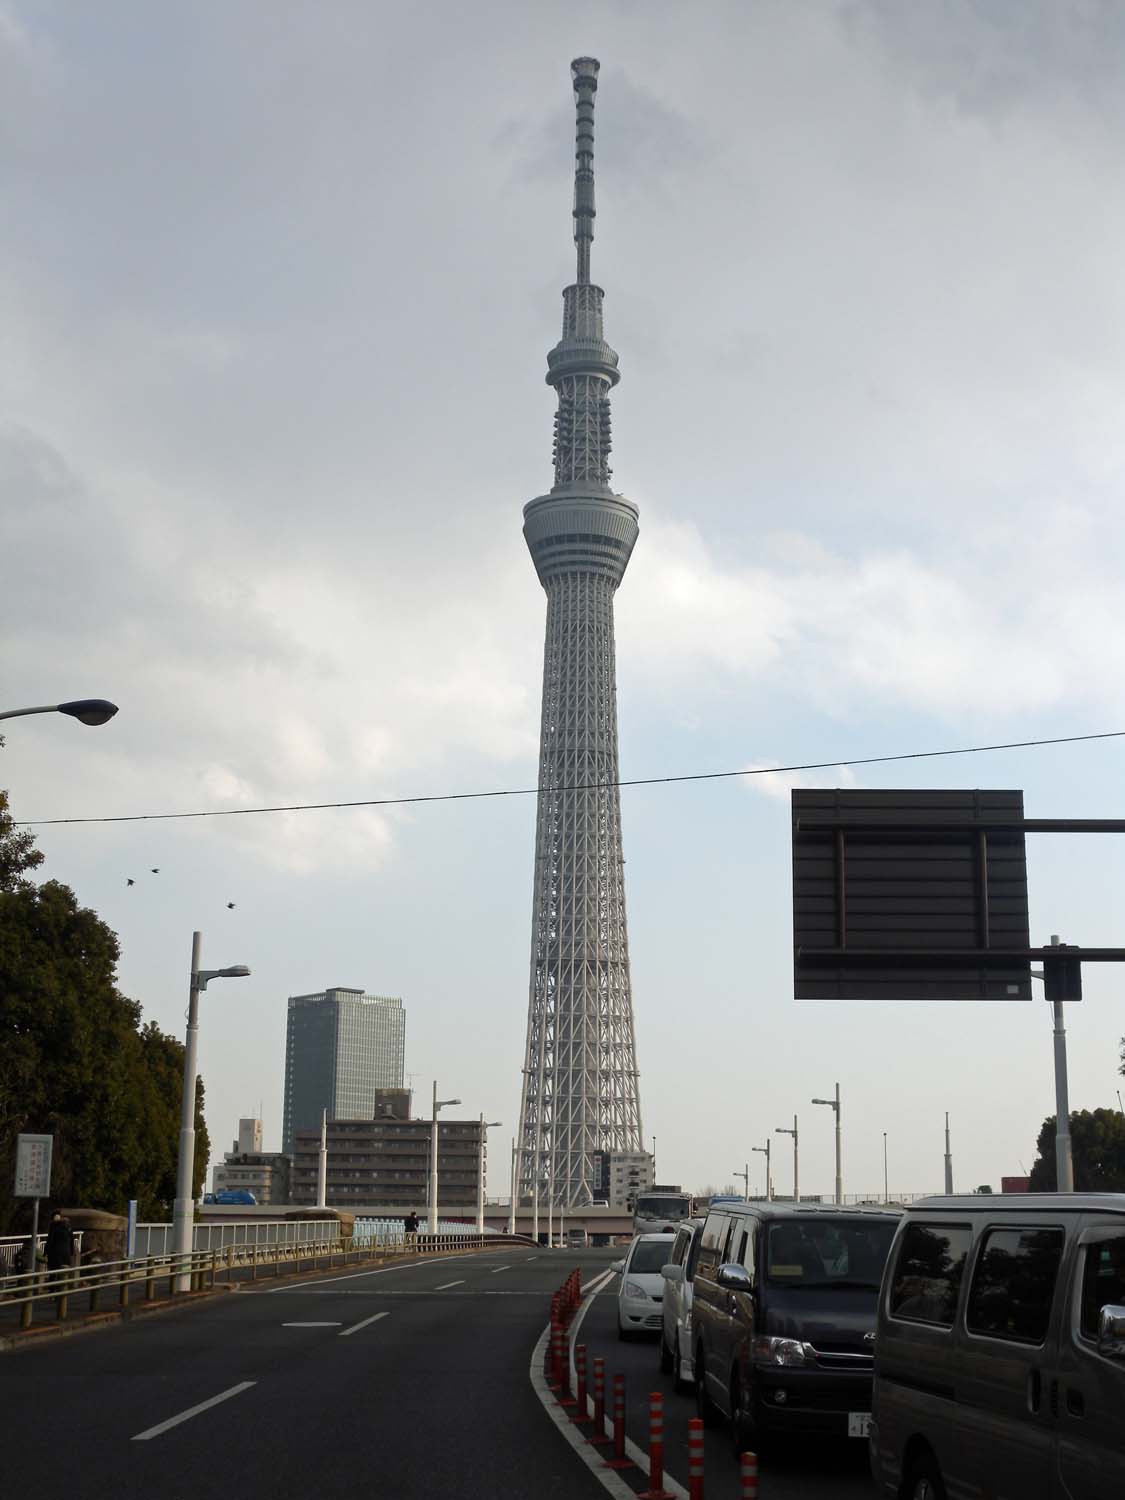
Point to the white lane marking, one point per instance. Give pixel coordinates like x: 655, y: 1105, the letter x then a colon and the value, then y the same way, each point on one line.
x: 531, y: 1257
x: 374, y: 1318
x: 499, y: 1269
x: 310, y: 1325
x: 634, y: 1451
x: 445, y: 1287
x: 591, y: 1457
x: 357, y: 1275
x: 192, y: 1411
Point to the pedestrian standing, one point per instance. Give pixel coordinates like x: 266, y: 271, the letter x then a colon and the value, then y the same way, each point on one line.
x: 60, y: 1242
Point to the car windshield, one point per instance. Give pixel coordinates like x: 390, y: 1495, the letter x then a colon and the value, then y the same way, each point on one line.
x: 828, y: 1252
x: 663, y: 1208
x: 650, y: 1255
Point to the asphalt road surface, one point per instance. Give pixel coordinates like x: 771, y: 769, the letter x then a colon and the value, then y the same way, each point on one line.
x: 400, y: 1384
x: 799, y: 1471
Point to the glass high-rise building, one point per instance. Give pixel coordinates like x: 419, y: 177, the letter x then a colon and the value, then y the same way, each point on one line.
x: 340, y: 1047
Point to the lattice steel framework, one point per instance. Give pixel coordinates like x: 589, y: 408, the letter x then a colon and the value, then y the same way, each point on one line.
x: 580, y: 1081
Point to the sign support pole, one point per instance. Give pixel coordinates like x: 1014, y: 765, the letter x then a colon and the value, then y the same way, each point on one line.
x: 1064, y: 1158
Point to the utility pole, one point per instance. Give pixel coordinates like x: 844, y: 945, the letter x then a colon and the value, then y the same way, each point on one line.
x: 781, y: 1130
x: 834, y: 1104
x: 948, y: 1159
x: 512, y: 1203
x: 765, y: 1151
x: 322, y: 1164
x: 1064, y: 1157
x: 745, y: 1175
x: 886, y: 1180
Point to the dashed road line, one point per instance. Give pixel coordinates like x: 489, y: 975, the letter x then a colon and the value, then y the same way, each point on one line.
x: 374, y: 1318
x: 446, y: 1285
x: 499, y: 1269
x: 192, y: 1411
x: 311, y: 1325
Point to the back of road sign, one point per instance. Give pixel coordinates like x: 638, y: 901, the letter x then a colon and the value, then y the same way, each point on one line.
x: 896, y: 893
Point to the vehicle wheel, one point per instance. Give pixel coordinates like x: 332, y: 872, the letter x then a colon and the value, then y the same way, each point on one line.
x: 705, y: 1408
x: 924, y: 1481
x: 665, y: 1356
x: 745, y: 1436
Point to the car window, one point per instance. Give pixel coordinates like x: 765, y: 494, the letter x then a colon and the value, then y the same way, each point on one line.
x: 821, y: 1252
x: 693, y: 1253
x: 746, y: 1251
x: 1014, y: 1284
x: 927, y: 1275
x: 679, y: 1249
x: 649, y: 1255
x: 741, y: 1248
x: 714, y: 1231
x: 1103, y: 1281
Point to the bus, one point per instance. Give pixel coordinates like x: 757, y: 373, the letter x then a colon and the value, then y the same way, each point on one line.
x: 658, y: 1207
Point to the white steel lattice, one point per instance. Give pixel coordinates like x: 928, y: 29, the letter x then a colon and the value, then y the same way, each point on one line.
x: 580, y: 1086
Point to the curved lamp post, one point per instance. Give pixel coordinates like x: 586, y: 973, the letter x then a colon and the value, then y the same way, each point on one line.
x: 485, y: 1125
x: 85, y: 710
x: 438, y: 1104
x: 183, y: 1211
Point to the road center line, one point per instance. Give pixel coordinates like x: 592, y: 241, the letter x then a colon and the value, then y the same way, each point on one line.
x: 374, y: 1318
x: 532, y: 1257
x: 499, y: 1269
x: 448, y: 1284
x: 192, y: 1411
x: 311, y: 1325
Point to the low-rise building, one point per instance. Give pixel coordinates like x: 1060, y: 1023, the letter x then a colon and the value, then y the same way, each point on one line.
x: 263, y: 1173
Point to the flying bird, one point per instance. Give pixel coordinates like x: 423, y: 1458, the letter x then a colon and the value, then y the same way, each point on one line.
x: 155, y: 870
x: 129, y: 880
x: 230, y: 906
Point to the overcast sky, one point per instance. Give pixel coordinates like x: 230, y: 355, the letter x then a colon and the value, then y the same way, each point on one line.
x: 277, y: 284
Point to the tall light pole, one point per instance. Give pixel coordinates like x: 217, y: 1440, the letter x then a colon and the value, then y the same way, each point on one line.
x: 183, y: 1212
x: 512, y: 1199
x: 886, y: 1188
x: 765, y: 1151
x: 1064, y: 1156
x: 484, y: 1125
x: 948, y: 1159
x: 834, y: 1104
x: 745, y: 1175
x: 781, y: 1130
x: 85, y: 710
x: 438, y: 1104
x: 322, y: 1163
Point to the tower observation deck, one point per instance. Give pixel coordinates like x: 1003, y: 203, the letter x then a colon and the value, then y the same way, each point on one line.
x: 580, y: 1083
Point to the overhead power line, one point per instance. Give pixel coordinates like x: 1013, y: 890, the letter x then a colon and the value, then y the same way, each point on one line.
x: 585, y: 786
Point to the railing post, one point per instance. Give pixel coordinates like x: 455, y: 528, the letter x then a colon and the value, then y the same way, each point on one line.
x: 63, y: 1306
x: 94, y: 1290
x: 254, y: 1262
x: 26, y: 1309
x: 123, y: 1294
x: 150, y: 1282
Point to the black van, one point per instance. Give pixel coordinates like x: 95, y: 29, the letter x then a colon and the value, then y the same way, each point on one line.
x: 783, y: 1317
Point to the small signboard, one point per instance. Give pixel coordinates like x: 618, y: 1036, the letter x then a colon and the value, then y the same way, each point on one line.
x: 33, y: 1166
x: 909, y: 895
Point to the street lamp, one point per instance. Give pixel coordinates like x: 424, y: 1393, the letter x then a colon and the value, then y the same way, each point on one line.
x: 183, y: 1211
x: 85, y: 710
x: 834, y: 1104
x: 886, y: 1190
x: 484, y: 1125
x: 765, y: 1151
x: 745, y: 1175
x: 438, y: 1104
x: 781, y: 1130
x: 1064, y: 1154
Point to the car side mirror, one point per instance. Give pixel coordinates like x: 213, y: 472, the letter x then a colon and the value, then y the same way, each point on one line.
x: 672, y: 1273
x: 1111, y: 1331
x: 735, y: 1278
x: 618, y: 1266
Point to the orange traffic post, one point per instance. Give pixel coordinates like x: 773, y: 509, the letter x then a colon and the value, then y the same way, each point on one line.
x: 748, y: 1473
x: 598, y: 1437
x: 582, y: 1414
x: 695, y: 1458
x: 656, y: 1490
x: 618, y: 1461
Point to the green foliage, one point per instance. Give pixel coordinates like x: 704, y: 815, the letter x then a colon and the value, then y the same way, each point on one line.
x: 74, y: 1061
x: 18, y: 853
x: 1098, y: 1147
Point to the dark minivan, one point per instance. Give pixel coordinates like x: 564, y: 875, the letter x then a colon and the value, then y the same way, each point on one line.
x: 783, y: 1317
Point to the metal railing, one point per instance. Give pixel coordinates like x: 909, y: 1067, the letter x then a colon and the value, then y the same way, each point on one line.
x: 29, y: 1290
x: 12, y: 1245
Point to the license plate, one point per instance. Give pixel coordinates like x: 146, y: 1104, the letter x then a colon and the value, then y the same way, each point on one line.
x: 859, y: 1423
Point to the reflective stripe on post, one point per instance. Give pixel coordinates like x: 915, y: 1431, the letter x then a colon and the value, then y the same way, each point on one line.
x: 618, y: 1461
x: 695, y: 1458
x: 656, y: 1490
x: 748, y: 1468
x: 598, y: 1436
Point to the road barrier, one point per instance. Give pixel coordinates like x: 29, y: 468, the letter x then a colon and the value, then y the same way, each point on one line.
x: 748, y: 1476
x: 695, y: 1458
x: 598, y: 1437
x: 656, y: 1490
x: 618, y: 1461
x: 582, y: 1414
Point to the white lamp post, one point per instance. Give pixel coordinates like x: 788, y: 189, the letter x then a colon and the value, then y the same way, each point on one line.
x: 438, y: 1104
x: 782, y: 1130
x: 484, y: 1125
x: 834, y: 1104
x: 183, y: 1212
x: 766, y: 1152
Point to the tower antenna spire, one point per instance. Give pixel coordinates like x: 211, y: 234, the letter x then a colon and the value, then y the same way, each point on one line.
x: 584, y: 72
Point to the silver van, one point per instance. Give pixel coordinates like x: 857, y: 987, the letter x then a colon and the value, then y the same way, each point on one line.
x: 1000, y: 1350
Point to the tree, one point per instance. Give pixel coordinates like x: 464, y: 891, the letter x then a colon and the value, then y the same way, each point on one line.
x: 1097, y: 1143
x: 74, y: 1062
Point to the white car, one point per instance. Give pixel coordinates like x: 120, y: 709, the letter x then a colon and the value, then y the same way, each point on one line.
x: 678, y: 1272
x: 641, y: 1293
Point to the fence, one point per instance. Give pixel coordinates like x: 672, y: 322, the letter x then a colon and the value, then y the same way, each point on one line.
x: 11, y: 1247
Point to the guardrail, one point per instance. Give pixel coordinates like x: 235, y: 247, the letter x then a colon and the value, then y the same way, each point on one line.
x: 30, y: 1290
x: 13, y: 1245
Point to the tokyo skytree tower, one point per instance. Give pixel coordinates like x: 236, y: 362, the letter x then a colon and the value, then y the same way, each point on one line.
x: 580, y: 1092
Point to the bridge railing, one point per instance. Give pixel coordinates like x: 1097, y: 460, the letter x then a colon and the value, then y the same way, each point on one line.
x: 12, y: 1246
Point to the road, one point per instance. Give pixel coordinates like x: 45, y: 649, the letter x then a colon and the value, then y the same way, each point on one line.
x: 408, y: 1382
x: 804, y: 1471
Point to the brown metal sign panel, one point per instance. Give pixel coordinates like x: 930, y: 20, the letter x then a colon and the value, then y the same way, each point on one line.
x: 938, y: 878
